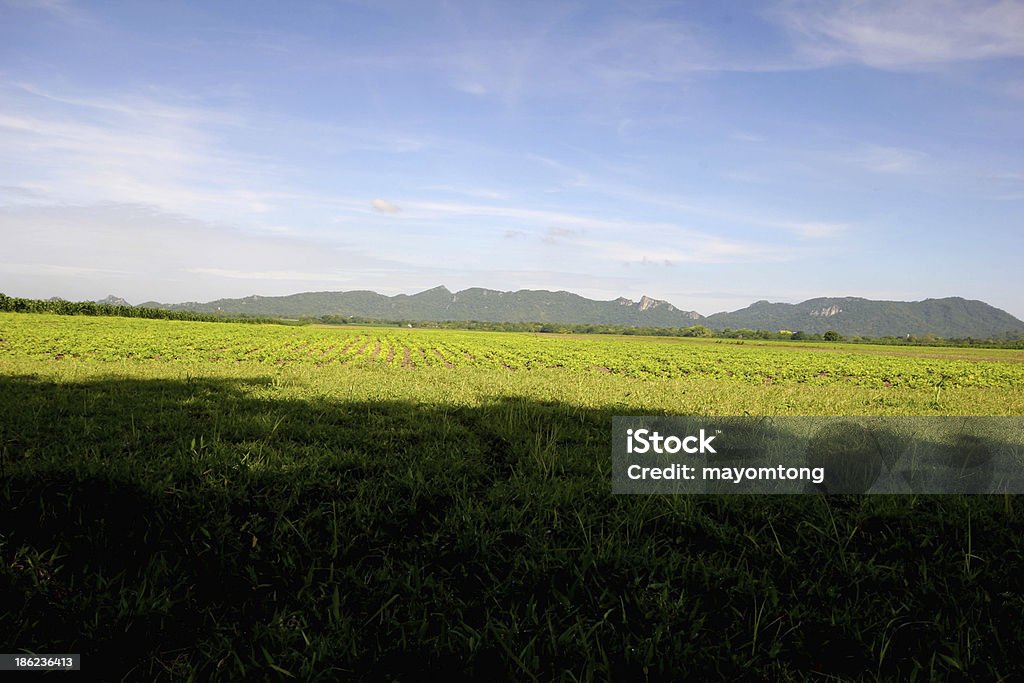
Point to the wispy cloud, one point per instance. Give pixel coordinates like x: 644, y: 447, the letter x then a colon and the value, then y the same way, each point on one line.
x: 135, y: 107
x: 168, y: 153
x: 625, y: 240
x: 727, y: 212
x: 747, y: 137
x: 429, y: 209
x: 688, y: 249
x: 882, y: 159
x: 471, y: 88
x: 475, y: 192
x: 152, y: 251
x: 50, y: 269
x: 513, y: 56
x: 555, y: 236
x: 296, y: 276
x: 904, y: 34
x: 62, y: 10
x: 134, y: 151
x: 814, y: 229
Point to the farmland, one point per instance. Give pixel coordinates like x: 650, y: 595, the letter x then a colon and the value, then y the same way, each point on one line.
x: 219, y: 501
x: 120, y: 340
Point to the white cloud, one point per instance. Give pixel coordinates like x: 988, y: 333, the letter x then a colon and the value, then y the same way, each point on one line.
x: 145, y: 251
x: 904, y: 33
x: 882, y: 159
x: 565, y: 50
x: 133, y: 106
x: 62, y: 10
x: 259, y: 275
x: 384, y: 206
x: 726, y: 213
x: 557, y: 236
x: 746, y: 137
x: 50, y: 269
x: 689, y: 249
x: 164, y: 151
x: 471, y: 88
x: 475, y: 192
x: 625, y: 240
x: 127, y: 155
x: 815, y: 229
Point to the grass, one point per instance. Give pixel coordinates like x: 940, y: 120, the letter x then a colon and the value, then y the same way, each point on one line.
x: 194, y: 519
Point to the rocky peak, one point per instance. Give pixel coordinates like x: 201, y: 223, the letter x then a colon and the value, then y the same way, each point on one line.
x: 112, y: 300
x: 647, y: 302
x: 827, y: 311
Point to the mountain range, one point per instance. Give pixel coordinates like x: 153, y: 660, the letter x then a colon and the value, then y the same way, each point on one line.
x: 951, y: 317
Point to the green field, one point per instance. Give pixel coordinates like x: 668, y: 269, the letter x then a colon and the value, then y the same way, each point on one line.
x: 187, y: 500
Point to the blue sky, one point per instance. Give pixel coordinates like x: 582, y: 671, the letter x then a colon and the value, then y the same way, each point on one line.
x: 709, y: 154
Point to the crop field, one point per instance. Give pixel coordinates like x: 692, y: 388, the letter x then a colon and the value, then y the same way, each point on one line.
x: 105, y: 339
x: 216, y: 501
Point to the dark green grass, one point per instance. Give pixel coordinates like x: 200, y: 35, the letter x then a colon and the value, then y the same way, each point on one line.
x: 194, y: 529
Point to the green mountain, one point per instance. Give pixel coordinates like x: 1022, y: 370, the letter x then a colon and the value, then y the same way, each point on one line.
x: 950, y: 317
x: 441, y: 304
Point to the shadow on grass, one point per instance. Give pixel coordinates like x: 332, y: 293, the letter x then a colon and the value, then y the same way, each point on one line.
x: 212, y: 529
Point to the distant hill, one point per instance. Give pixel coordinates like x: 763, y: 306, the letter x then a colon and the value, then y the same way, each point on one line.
x: 950, y: 317
x: 441, y: 304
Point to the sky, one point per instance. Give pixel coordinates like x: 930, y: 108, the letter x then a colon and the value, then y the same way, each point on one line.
x: 710, y: 154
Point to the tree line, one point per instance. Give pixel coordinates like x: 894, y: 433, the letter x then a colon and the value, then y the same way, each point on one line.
x: 62, y: 307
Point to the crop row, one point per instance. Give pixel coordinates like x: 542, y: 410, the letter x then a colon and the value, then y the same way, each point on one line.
x: 116, y: 339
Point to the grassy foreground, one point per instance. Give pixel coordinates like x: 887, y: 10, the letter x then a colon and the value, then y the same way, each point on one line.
x: 200, y: 518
